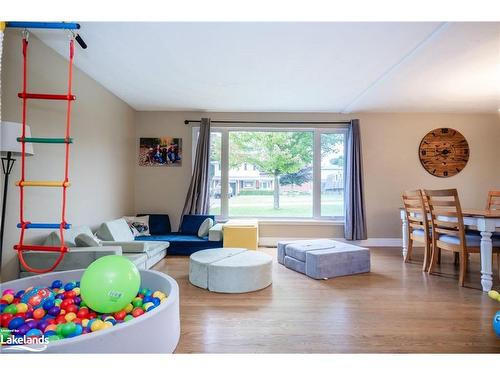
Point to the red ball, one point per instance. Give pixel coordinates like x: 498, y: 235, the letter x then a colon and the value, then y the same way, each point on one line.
x: 92, y: 315
x: 77, y: 321
x: 83, y: 313
x: 6, y: 318
x: 65, y: 303
x: 137, y: 312
x: 60, y: 319
x: 69, y: 294
x: 71, y: 308
x: 22, y: 315
x: 120, y: 315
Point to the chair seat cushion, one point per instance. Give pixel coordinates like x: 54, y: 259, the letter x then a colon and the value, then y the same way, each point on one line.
x: 418, y: 232
x: 176, y: 239
x: 473, y: 240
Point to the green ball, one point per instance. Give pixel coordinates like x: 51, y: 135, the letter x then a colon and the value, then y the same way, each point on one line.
x: 137, y: 302
x: 67, y: 329
x: 109, y: 284
x: 54, y: 338
x: 128, y: 317
x: 11, y: 309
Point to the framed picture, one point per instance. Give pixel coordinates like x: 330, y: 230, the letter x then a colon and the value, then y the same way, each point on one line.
x: 160, y: 152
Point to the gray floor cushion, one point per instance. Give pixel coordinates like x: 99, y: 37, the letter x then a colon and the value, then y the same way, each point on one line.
x: 230, y: 270
x: 323, y: 259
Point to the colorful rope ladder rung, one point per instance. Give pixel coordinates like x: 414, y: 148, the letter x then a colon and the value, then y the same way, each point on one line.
x: 43, y: 226
x: 44, y: 140
x: 46, y: 96
x: 43, y: 183
x: 61, y: 249
x: 21, y: 247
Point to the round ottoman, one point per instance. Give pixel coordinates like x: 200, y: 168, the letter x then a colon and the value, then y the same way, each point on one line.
x: 230, y: 270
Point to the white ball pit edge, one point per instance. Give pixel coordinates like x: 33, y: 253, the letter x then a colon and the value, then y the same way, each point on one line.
x: 157, y: 331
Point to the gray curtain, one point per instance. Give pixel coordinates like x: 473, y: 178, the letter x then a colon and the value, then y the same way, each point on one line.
x: 197, y: 199
x: 355, y: 222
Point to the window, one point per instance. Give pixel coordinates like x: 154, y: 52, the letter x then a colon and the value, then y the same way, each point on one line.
x: 278, y: 173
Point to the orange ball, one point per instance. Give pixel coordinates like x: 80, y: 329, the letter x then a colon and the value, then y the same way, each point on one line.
x: 51, y: 327
x: 38, y: 313
x: 70, y: 316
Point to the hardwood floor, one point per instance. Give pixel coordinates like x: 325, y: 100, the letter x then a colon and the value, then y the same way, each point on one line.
x: 394, y: 309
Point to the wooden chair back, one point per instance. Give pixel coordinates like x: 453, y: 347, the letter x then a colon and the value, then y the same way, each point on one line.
x: 493, y: 200
x: 446, y: 203
x: 415, y: 210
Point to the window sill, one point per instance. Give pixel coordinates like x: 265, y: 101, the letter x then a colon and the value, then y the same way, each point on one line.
x: 301, y: 222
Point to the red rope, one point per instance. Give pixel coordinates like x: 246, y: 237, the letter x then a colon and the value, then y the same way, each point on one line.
x: 20, y: 247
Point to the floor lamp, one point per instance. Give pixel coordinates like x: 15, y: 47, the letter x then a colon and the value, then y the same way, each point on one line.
x: 9, y: 147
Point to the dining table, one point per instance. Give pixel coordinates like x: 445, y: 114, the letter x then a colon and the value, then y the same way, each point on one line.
x: 486, y: 222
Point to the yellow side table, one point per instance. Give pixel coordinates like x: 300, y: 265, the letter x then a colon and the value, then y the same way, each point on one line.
x: 241, y: 233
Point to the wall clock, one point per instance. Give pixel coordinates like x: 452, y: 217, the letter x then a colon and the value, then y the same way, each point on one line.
x: 444, y: 152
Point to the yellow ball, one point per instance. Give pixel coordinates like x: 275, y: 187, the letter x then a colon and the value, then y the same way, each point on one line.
x: 158, y: 294
x: 494, y: 294
x: 22, y: 307
x: 77, y: 291
x: 107, y: 325
x: 129, y: 308
x: 97, y: 325
x: 147, y: 305
x: 70, y: 316
x: 85, y: 322
x: 8, y: 297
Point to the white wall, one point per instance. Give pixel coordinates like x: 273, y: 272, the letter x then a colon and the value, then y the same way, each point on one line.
x: 390, y: 155
x: 102, y: 157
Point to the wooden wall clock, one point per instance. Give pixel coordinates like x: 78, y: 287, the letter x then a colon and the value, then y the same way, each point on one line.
x: 444, y: 152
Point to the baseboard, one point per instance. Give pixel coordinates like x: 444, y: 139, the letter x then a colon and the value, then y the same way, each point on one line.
x: 370, y: 242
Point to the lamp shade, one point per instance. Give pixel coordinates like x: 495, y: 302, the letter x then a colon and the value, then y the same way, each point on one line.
x: 10, y: 131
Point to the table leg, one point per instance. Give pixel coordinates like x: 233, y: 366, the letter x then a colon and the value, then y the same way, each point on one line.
x: 404, y: 219
x: 486, y: 227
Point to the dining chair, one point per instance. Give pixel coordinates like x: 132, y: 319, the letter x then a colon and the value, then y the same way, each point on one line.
x: 448, y: 230
x: 418, y: 224
x: 493, y: 202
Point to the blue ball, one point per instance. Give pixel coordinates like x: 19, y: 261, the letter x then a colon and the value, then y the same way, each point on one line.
x: 147, y: 299
x: 156, y: 301
x: 19, y: 294
x: 56, y: 284
x: 49, y: 333
x: 2, y: 307
x: 34, y: 332
x: 496, y: 323
x: 69, y: 286
x: 48, y: 304
x: 16, y: 323
x: 21, y: 331
x: 77, y: 332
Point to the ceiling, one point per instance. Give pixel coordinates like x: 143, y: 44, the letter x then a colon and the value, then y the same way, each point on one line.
x: 294, y: 67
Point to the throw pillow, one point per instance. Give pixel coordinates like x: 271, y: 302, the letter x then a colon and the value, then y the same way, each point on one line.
x: 204, y: 227
x: 86, y: 240
x: 139, y: 225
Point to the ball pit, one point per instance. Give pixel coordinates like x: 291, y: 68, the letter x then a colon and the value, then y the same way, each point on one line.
x: 53, y: 309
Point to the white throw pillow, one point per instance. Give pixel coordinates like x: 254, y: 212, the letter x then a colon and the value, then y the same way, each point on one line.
x: 139, y: 225
x: 86, y: 240
x: 205, y: 227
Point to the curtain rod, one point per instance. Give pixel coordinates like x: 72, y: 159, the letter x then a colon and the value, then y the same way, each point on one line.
x: 272, y: 122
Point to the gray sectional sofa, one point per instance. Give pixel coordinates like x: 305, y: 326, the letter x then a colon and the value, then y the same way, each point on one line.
x: 116, y: 239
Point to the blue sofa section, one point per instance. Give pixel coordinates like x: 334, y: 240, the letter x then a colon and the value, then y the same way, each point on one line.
x: 184, y: 242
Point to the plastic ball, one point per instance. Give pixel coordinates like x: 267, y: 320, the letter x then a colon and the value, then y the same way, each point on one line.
x: 6, y: 318
x: 137, y: 312
x: 496, y: 323
x: 97, y: 325
x: 83, y: 313
x: 19, y: 294
x: 48, y: 304
x: 78, y: 300
x: 120, y: 315
x: 70, y: 316
x: 156, y: 301
x: 127, y: 318
x: 32, y: 323
x: 72, y: 309
x: 22, y: 307
x: 21, y: 331
x: 39, y: 313
x: 109, y: 283
x: 54, y: 310
x: 77, y: 332
x: 137, y: 302
x: 85, y: 323
x: 8, y: 291
x: 34, y: 332
x: 67, y: 329
x: 128, y: 308
x: 60, y: 319
x: 76, y: 291
x: 50, y: 327
x: 150, y: 308
x: 8, y: 298
x: 15, y: 323
x: 110, y: 319
x: 56, y: 284
x: 10, y: 309
x: 146, y: 306
x: 49, y: 333
x: 65, y: 303
x: 494, y: 295
x: 69, y: 286
x: 42, y: 325
x: 147, y: 299
x: 57, y: 302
